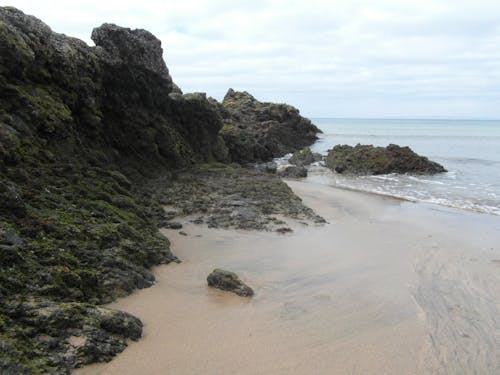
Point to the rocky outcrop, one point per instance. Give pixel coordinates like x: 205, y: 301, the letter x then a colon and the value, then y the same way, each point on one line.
x: 229, y: 282
x: 254, y: 131
x: 82, y: 333
x: 227, y: 196
x: 132, y: 48
x: 370, y: 160
x: 109, y: 103
x: 304, y: 157
x: 80, y: 129
x: 83, y: 131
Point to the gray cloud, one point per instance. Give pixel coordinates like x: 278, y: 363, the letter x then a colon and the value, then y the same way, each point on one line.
x: 382, y: 58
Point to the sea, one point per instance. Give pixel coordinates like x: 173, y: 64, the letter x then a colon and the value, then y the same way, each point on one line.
x: 468, y: 149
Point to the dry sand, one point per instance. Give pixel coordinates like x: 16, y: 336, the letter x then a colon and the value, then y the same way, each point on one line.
x: 386, y: 287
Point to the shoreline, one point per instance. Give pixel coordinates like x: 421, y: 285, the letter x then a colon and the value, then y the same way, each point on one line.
x: 397, y: 197
x: 396, y: 299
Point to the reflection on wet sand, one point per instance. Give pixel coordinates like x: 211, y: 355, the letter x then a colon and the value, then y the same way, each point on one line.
x: 386, y: 287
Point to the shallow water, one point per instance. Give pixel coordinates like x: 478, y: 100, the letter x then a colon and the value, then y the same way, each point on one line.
x: 468, y: 149
x: 386, y: 287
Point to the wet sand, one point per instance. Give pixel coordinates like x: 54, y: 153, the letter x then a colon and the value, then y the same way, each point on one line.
x: 386, y: 287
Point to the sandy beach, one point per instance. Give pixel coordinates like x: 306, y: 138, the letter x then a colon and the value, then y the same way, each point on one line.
x: 385, y: 287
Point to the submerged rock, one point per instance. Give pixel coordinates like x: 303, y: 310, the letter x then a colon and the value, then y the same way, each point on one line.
x: 229, y: 282
x: 370, y: 160
x: 292, y: 171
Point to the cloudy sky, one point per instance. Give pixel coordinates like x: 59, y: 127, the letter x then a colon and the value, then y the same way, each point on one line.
x: 337, y: 58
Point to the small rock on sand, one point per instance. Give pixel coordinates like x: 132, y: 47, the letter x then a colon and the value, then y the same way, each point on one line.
x: 230, y: 282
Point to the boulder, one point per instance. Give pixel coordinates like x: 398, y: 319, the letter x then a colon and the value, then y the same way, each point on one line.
x: 269, y: 167
x: 292, y: 171
x: 304, y: 157
x: 370, y: 160
x: 172, y: 225
x: 229, y: 282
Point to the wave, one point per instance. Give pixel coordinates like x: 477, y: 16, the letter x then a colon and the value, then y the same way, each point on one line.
x: 419, y: 179
x: 420, y: 197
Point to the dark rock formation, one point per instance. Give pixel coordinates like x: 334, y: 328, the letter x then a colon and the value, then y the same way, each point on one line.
x: 229, y: 282
x: 231, y: 196
x: 370, y: 160
x: 80, y: 128
x: 139, y: 48
x: 66, y: 333
x: 304, y: 157
x: 256, y: 132
x: 269, y: 167
x: 83, y: 132
x: 292, y: 171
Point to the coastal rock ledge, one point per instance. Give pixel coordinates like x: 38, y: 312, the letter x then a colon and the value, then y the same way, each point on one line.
x: 371, y: 160
x: 256, y: 131
x: 229, y: 282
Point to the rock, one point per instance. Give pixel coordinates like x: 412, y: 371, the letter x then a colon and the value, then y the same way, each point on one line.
x: 68, y: 334
x: 370, y: 160
x: 245, y: 217
x: 304, y: 157
x: 172, y: 225
x: 269, y: 167
x: 230, y: 282
x: 90, y: 137
x: 11, y: 238
x: 237, y: 197
x: 140, y: 48
x: 255, y: 131
x: 284, y: 230
x: 11, y: 202
x: 122, y: 323
x: 9, y: 256
x: 198, y: 220
x: 292, y: 171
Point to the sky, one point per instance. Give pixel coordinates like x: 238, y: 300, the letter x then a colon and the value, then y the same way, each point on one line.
x: 337, y: 58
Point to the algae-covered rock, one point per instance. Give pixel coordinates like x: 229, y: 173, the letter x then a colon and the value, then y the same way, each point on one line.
x: 370, y: 160
x: 78, y: 124
x: 86, y: 135
x: 224, y: 196
x: 63, y: 335
x: 304, y: 157
x: 255, y: 131
x: 292, y: 171
x: 229, y: 282
x: 269, y: 167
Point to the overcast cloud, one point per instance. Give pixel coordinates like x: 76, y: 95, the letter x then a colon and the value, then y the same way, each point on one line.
x: 345, y: 58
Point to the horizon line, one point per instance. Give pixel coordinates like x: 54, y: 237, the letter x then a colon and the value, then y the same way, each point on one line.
x: 405, y: 118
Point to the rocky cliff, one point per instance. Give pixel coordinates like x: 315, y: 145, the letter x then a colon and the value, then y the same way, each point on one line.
x: 82, y: 130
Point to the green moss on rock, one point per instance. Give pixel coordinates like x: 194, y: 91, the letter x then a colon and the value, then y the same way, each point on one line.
x: 367, y: 159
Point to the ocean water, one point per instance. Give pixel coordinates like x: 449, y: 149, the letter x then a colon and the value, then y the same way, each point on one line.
x: 468, y: 149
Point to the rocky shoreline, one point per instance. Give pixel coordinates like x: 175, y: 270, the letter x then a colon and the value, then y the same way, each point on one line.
x: 99, y: 148
x: 94, y: 141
